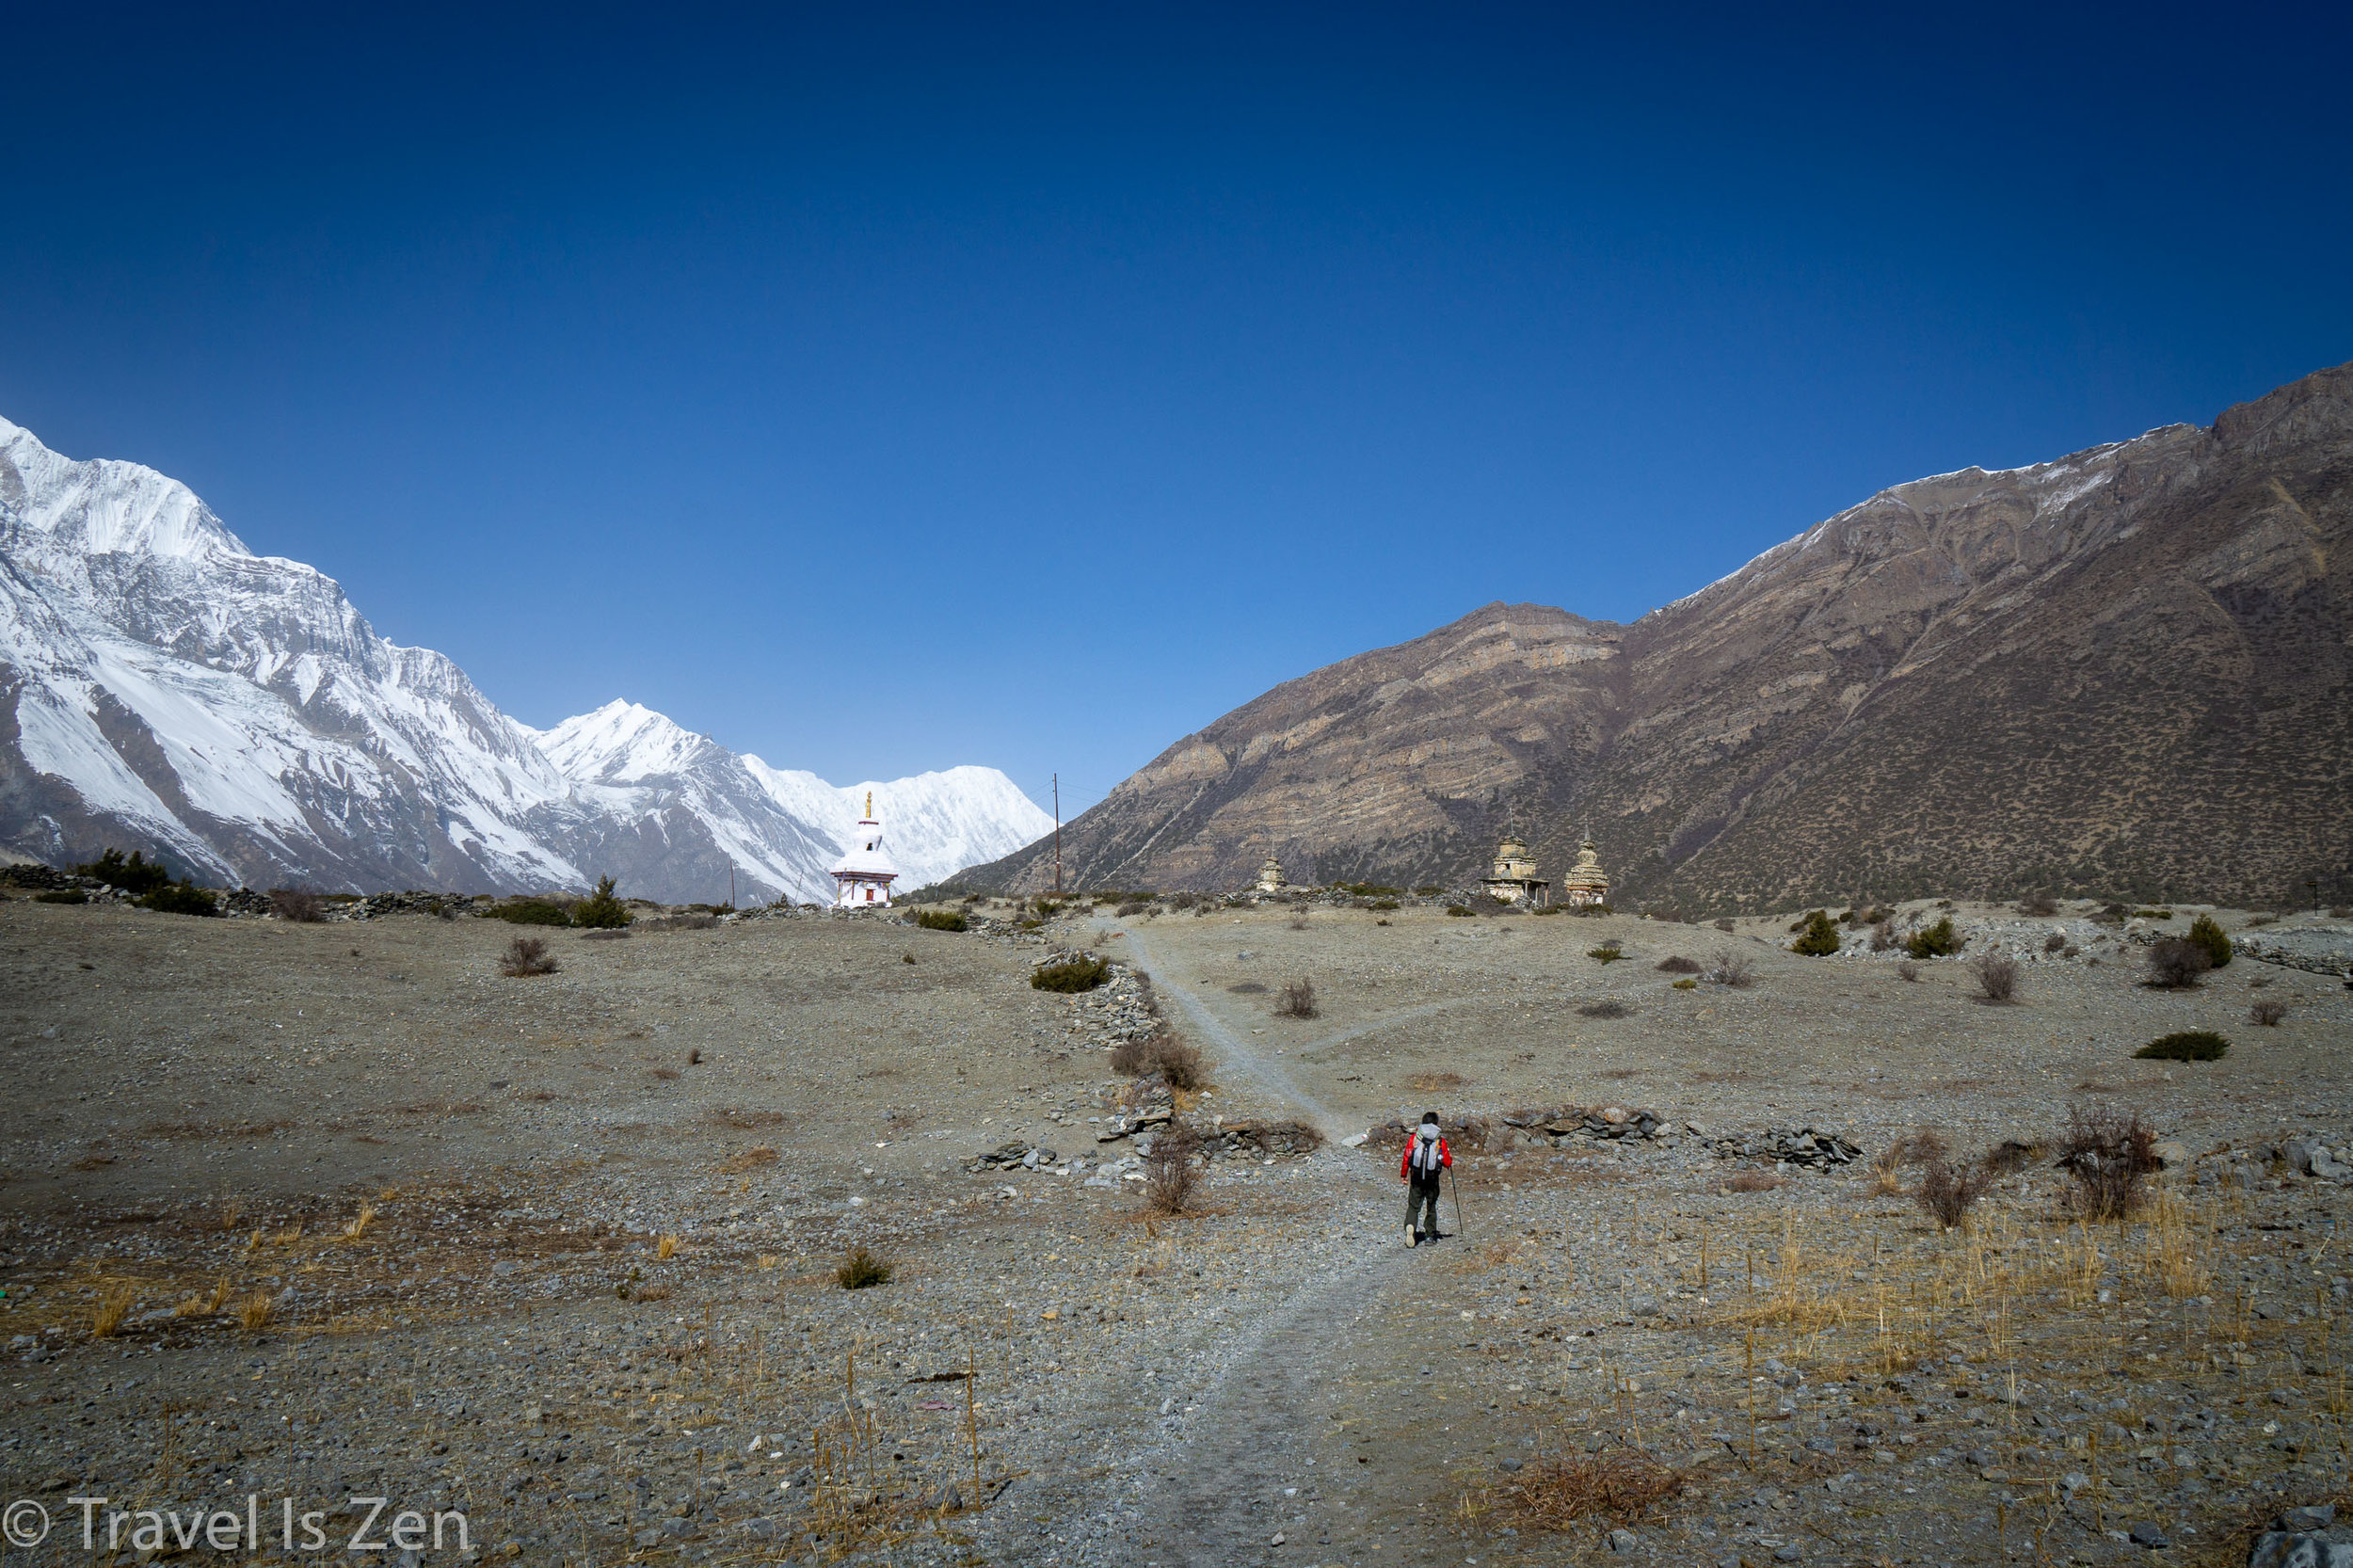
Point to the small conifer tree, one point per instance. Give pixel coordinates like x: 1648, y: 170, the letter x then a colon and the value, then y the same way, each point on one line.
x: 1821, y: 938
x: 600, y: 910
x: 136, y: 876
x: 1936, y: 942
x: 2207, y: 935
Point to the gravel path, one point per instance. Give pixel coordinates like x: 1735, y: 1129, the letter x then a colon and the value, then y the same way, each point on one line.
x: 1251, y: 1471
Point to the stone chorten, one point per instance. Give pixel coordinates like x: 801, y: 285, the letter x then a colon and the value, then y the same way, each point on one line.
x: 1587, y: 883
x: 1514, y: 879
x: 1270, y: 876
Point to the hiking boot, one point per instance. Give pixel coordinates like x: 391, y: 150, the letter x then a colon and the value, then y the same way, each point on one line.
x: 1413, y: 1236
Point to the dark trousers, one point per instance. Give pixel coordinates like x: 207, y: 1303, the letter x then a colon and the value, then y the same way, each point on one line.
x: 1421, y: 1197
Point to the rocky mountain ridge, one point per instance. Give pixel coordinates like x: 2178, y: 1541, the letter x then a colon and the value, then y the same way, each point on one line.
x: 2122, y: 672
x: 163, y: 687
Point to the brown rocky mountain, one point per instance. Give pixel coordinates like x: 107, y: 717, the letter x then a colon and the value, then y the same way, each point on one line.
x: 2121, y: 673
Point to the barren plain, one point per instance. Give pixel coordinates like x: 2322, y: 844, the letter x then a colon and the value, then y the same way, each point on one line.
x: 324, y: 1211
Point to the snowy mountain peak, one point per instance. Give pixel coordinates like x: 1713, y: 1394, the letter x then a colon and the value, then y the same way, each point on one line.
x: 622, y: 742
x: 164, y: 688
x: 105, y: 508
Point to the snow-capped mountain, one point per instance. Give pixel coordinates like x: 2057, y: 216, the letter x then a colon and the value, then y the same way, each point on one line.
x: 935, y: 823
x: 161, y: 686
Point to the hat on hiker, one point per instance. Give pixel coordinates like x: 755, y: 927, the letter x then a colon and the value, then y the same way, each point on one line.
x: 1430, y: 1117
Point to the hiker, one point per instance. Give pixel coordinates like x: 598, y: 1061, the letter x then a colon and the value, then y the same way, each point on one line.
x: 1426, y: 1157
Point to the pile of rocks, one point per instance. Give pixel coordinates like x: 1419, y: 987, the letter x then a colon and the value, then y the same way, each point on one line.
x: 245, y: 904
x: 1259, y: 1140
x: 376, y: 905
x: 1016, y: 1156
x: 2315, y: 1157
x: 1138, y: 1119
x: 1120, y: 1009
x: 33, y: 877
x: 1817, y: 1147
x: 1605, y: 1122
x: 2316, y: 950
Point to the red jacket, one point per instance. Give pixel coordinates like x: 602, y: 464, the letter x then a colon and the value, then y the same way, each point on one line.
x: 1405, y: 1162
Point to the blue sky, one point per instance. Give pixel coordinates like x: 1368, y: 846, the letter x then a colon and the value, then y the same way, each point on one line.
x: 887, y: 388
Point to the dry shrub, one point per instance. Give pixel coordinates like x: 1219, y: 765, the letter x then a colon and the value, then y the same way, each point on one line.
x: 1948, y: 1190
x: 2038, y: 904
x: 526, y: 956
x: 1733, y: 969
x: 1997, y: 976
x: 1169, y: 1178
x: 861, y: 1270
x: 297, y: 904
x: 1724, y: 926
x: 1607, y: 1009
x: 2268, y: 1013
x: 2110, y: 1155
x: 2175, y: 964
x: 649, y: 1292
x: 1907, y: 969
x: 1883, y: 935
x: 1675, y: 963
x: 1179, y: 1064
x: 1299, y: 922
x: 1915, y: 1148
x: 1753, y: 1181
x: 1297, y: 1000
x: 112, y: 1308
x: 1621, y: 1486
x: 679, y: 922
x: 752, y: 1159
x: 1432, y: 1083
x: 1247, y: 989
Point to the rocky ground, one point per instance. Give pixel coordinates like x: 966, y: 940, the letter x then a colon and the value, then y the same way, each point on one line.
x: 363, y: 1217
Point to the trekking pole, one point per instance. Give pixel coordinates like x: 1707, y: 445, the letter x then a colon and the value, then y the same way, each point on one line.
x: 1454, y: 1187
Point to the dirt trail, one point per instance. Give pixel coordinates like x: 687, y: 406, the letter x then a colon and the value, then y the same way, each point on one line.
x: 1314, y: 1401
x: 1237, y: 1056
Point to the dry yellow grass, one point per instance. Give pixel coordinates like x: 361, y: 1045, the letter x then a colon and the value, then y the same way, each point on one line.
x: 112, y: 1306
x: 204, y: 1306
x: 667, y: 1248
x: 360, y: 1222
x: 1619, y: 1486
x: 2176, y: 1247
x: 253, y: 1313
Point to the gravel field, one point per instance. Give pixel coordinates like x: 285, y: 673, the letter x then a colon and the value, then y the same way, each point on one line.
x: 337, y: 1210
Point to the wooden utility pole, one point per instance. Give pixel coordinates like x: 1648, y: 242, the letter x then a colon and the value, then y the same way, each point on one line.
x: 1058, y: 835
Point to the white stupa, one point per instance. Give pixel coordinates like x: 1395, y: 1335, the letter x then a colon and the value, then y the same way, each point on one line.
x: 862, y: 878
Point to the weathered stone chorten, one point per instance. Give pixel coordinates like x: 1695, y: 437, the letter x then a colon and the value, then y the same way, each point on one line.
x: 1514, y: 879
x: 1270, y: 876
x: 1587, y: 883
